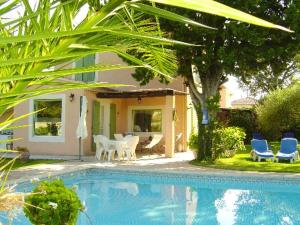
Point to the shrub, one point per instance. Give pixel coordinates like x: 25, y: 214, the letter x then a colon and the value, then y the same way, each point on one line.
x: 245, y: 119
x: 280, y: 112
x: 193, y: 141
x: 228, y: 140
x: 51, y: 203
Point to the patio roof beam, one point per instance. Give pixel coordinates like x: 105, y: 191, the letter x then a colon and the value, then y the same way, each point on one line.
x: 141, y: 94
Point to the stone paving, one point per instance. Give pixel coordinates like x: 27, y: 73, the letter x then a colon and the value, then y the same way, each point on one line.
x: 153, y: 163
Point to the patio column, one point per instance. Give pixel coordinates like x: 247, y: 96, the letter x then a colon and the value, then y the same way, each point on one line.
x: 169, y: 126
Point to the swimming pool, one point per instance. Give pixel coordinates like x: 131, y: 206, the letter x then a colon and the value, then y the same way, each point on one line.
x: 144, y: 198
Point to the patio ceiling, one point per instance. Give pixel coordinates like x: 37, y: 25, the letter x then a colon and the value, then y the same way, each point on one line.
x: 142, y: 93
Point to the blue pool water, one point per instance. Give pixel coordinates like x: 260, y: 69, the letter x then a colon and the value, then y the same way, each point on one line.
x: 128, y: 198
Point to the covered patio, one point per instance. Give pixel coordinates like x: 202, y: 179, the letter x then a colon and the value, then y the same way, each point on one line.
x: 142, y: 112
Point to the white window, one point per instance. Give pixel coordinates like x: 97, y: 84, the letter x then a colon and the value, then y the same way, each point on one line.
x: 147, y: 120
x: 47, y: 124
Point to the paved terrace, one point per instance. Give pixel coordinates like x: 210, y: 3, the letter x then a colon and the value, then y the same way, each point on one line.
x: 153, y: 163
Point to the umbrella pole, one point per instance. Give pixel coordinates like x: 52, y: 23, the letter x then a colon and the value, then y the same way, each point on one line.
x: 79, y: 153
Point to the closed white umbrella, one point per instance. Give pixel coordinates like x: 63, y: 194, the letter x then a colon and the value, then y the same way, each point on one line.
x: 81, y: 131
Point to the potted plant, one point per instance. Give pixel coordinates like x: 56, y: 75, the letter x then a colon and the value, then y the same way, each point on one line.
x: 52, y: 203
x: 24, y: 154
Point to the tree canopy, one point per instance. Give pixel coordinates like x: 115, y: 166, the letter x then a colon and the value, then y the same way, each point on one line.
x: 237, y: 48
x: 267, y: 80
x: 280, y: 112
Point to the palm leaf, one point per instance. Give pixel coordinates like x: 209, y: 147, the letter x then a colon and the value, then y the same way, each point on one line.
x: 67, y: 72
x: 165, y: 14
x: 216, y: 8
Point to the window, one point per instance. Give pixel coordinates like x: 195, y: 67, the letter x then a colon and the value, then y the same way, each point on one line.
x: 48, y: 121
x: 83, y: 62
x: 147, y: 120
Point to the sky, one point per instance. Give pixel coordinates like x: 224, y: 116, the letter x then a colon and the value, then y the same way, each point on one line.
x: 236, y: 91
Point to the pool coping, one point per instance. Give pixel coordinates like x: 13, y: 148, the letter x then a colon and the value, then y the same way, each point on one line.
x: 196, y: 171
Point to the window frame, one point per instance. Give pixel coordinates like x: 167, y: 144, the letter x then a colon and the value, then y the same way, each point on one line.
x: 39, y: 138
x: 131, y: 119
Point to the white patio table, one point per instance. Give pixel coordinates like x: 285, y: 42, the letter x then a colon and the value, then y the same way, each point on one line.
x: 115, y: 145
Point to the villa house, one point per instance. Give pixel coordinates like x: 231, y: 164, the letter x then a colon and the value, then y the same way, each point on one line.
x: 142, y: 110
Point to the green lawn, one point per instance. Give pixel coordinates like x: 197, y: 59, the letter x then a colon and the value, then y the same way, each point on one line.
x: 31, y: 162
x: 243, y: 162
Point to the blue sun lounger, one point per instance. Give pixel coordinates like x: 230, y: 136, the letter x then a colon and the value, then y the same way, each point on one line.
x: 288, y: 150
x: 260, y: 150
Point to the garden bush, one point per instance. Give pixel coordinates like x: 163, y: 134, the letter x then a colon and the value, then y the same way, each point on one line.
x: 226, y: 141
x: 193, y: 141
x: 280, y: 112
x: 51, y: 203
x: 243, y: 118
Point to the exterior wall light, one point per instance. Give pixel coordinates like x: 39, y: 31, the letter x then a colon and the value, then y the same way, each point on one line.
x: 139, y: 100
x: 71, y: 97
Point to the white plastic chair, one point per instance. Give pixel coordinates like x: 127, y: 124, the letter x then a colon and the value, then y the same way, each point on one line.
x: 102, y: 146
x: 119, y: 147
x: 131, y: 143
x: 119, y: 137
x: 99, y: 146
x: 155, y: 140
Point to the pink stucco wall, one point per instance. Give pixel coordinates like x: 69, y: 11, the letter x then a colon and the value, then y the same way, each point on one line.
x: 69, y: 147
x: 124, y: 76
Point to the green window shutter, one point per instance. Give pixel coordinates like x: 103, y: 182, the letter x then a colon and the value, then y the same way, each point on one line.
x: 95, y: 121
x: 112, y: 122
x: 89, y: 61
x: 78, y: 64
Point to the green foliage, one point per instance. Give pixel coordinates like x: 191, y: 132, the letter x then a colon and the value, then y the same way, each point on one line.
x: 297, y: 61
x: 268, y: 79
x: 206, y: 131
x: 237, y: 48
x: 225, y: 141
x: 228, y: 140
x: 280, y: 112
x: 193, y: 141
x: 51, y: 203
x: 41, y: 131
x: 245, y: 119
x: 45, y: 36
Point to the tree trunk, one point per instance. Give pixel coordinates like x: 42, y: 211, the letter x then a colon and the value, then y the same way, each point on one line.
x: 207, y: 101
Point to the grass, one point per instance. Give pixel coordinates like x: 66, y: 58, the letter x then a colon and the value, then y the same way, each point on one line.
x: 32, y: 162
x: 243, y: 162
